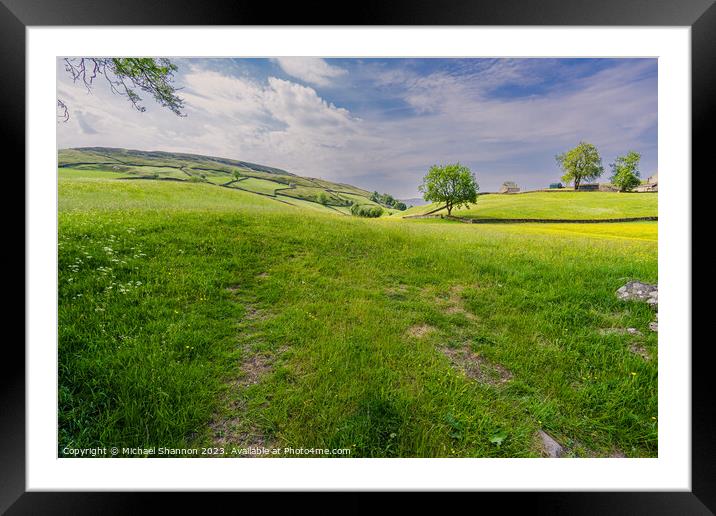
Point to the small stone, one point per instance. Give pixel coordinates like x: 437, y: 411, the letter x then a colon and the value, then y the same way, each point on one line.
x: 550, y: 447
x: 640, y: 350
x: 654, y: 326
x: 633, y: 331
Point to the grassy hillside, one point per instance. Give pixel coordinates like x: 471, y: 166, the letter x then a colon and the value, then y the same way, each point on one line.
x: 137, y: 158
x: 554, y: 205
x: 154, y: 165
x: 194, y: 315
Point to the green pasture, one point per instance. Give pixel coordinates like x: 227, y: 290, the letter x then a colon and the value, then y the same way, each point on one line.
x: 195, y: 315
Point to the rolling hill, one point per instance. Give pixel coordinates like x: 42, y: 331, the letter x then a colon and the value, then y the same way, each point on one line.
x: 275, y: 183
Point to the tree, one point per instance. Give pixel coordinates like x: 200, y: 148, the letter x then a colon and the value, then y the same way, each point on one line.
x: 625, y: 171
x: 322, y: 198
x: 453, y: 184
x: 125, y: 77
x: 580, y: 164
x: 237, y: 175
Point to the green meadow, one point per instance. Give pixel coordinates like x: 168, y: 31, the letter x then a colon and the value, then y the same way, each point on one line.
x: 569, y: 205
x: 195, y: 315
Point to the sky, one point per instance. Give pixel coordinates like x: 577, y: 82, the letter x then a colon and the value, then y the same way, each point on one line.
x: 381, y: 123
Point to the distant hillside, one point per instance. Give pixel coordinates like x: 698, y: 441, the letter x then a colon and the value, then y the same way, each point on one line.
x: 139, y: 157
x: 272, y: 182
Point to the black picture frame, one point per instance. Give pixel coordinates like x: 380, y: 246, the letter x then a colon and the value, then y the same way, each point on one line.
x: 700, y: 15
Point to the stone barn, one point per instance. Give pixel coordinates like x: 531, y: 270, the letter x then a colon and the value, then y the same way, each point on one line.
x: 509, y: 187
x: 651, y: 185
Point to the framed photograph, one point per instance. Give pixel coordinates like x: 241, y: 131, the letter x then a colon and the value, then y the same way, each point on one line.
x: 421, y: 252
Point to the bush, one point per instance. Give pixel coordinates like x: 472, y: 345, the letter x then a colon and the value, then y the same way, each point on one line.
x: 366, y: 211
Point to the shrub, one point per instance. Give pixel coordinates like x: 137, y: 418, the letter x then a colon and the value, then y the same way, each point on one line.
x: 366, y: 211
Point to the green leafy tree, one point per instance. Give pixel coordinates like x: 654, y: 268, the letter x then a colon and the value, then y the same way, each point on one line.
x: 322, y: 198
x: 625, y: 171
x: 237, y: 175
x: 580, y: 164
x: 453, y: 184
x: 127, y: 77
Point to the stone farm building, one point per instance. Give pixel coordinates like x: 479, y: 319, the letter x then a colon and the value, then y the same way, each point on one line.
x: 651, y: 185
x: 509, y: 187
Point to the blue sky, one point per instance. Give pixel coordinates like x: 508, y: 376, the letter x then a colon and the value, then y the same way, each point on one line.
x: 381, y: 123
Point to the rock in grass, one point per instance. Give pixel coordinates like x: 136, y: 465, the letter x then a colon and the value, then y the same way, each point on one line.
x: 638, y: 291
x: 654, y: 326
x: 550, y: 447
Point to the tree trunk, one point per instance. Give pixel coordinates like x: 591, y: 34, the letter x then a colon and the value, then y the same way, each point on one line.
x: 449, y: 209
x: 576, y: 184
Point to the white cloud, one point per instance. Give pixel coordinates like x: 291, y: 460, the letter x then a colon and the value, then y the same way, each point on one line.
x: 313, y: 70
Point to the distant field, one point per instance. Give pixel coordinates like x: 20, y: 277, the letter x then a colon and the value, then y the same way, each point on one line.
x: 313, y: 206
x: 555, y: 205
x: 83, y: 173
x: 196, y: 315
x: 341, y: 187
x: 258, y: 185
x: 311, y: 194
x: 357, y: 199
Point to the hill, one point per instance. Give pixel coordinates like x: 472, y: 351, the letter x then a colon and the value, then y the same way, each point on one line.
x: 553, y: 205
x: 272, y: 182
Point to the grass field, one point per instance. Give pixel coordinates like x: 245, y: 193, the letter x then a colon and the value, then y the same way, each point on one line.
x: 553, y: 205
x: 258, y: 185
x: 194, y: 315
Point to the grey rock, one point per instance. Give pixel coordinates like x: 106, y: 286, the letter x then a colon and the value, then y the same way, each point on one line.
x: 638, y: 291
x: 633, y: 331
x: 654, y: 326
x: 550, y: 447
